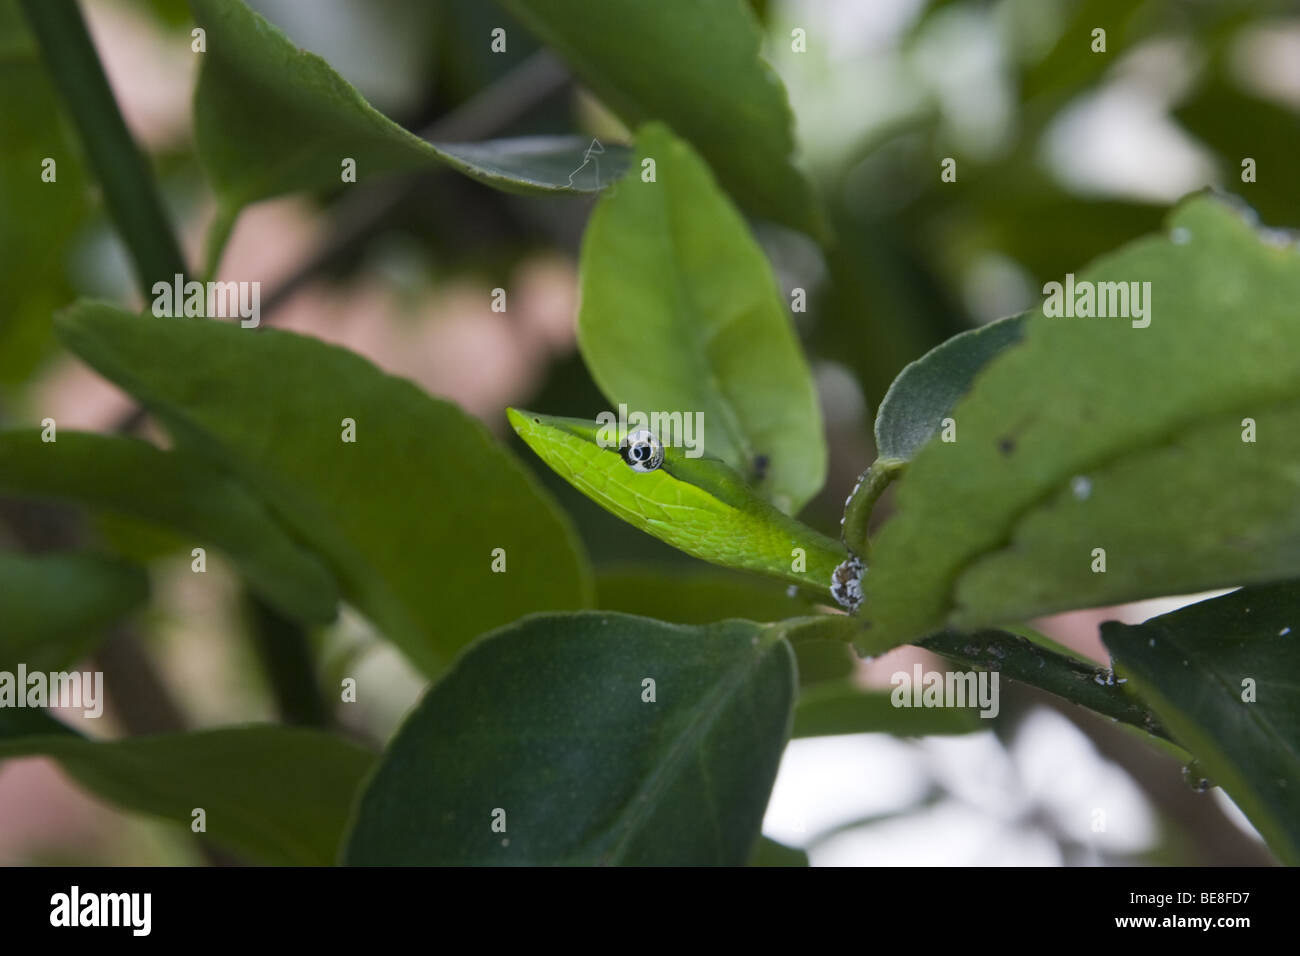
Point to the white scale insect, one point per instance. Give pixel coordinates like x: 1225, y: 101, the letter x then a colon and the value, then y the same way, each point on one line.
x: 642, y: 450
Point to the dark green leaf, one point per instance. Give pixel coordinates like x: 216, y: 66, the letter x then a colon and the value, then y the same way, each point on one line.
x: 408, y: 515
x: 841, y: 707
x: 680, y: 313
x: 37, y: 219
x: 52, y: 606
x: 770, y: 853
x: 695, y: 65
x: 1222, y: 675
x: 545, y: 722
x: 177, y: 491
x: 694, y: 595
x: 279, y: 795
x: 1222, y: 117
x: 256, y: 86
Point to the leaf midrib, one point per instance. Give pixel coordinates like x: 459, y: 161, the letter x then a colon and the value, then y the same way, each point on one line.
x: 686, y: 746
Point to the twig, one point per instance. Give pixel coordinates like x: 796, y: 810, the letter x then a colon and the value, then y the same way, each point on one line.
x: 121, y: 168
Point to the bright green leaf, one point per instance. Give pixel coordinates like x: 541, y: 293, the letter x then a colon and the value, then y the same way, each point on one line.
x: 177, y: 491
x: 545, y: 722
x: 1221, y: 674
x: 38, y: 219
x: 53, y: 606
x: 408, y: 515
x: 718, y: 93
x: 696, y: 504
x: 1096, y: 434
x: 257, y: 86
x: 280, y: 795
x: 681, y: 313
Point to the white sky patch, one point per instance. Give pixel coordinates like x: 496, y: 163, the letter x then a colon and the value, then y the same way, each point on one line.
x: 998, y: 807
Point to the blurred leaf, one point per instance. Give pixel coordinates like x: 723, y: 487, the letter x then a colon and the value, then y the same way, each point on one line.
x: 696, y: 504
x: 694, y: 595
x: 680, y: 312
x: 925, y: 392
x: 256, y: 86
x: 1095, y: 434
x: 408, y: 515
x: 280, y: 795
x: 53, y: 606
x: 584, y: 770
x: 841, y: 707
x: 1194, y: 665
x: 467, y: 62
x: 37, y: 219
x: 883, y: 304
x: 1237, y: 126
x: 718, y: 93
x: 770, y: 853
x: 177, y: 491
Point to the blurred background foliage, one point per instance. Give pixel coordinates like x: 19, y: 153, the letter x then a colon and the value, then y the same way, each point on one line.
x: 1061, y: 154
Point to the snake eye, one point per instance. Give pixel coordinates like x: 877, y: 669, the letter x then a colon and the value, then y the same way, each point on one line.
x: 642, y: 451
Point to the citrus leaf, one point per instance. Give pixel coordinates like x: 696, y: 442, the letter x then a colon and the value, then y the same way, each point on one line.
x: 572, y: 763
x: 257, y: 86
x: 177, y: 491
x: 1221, y: 675
x: 280, y: 795
x: 691, y: 594
x: 695, y: 595
x: 1096, y: 433
x: 52, y: 606
x: 408, y: 515
x: 771, y: 853
x: 842, y: 707
x: 697, y: 505
x: 923, y: 395
x: 719, y: 94
x: 681, y: 313
x: 38, y: 219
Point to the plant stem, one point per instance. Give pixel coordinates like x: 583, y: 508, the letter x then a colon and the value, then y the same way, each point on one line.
x: 857, y: 509
x: 287, y: 661
x: 1074, y: 680
x: 122, y: 169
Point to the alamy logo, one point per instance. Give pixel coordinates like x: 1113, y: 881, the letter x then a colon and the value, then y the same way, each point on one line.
x: 951, y: 689
x: 215, y: 300
x: 74, y: 908
x: 1124, y: 300
x: 55, y: 689
x: 672, y: 429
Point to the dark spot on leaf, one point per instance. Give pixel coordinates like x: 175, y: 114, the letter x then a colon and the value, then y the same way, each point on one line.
x: 1006, y: 445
